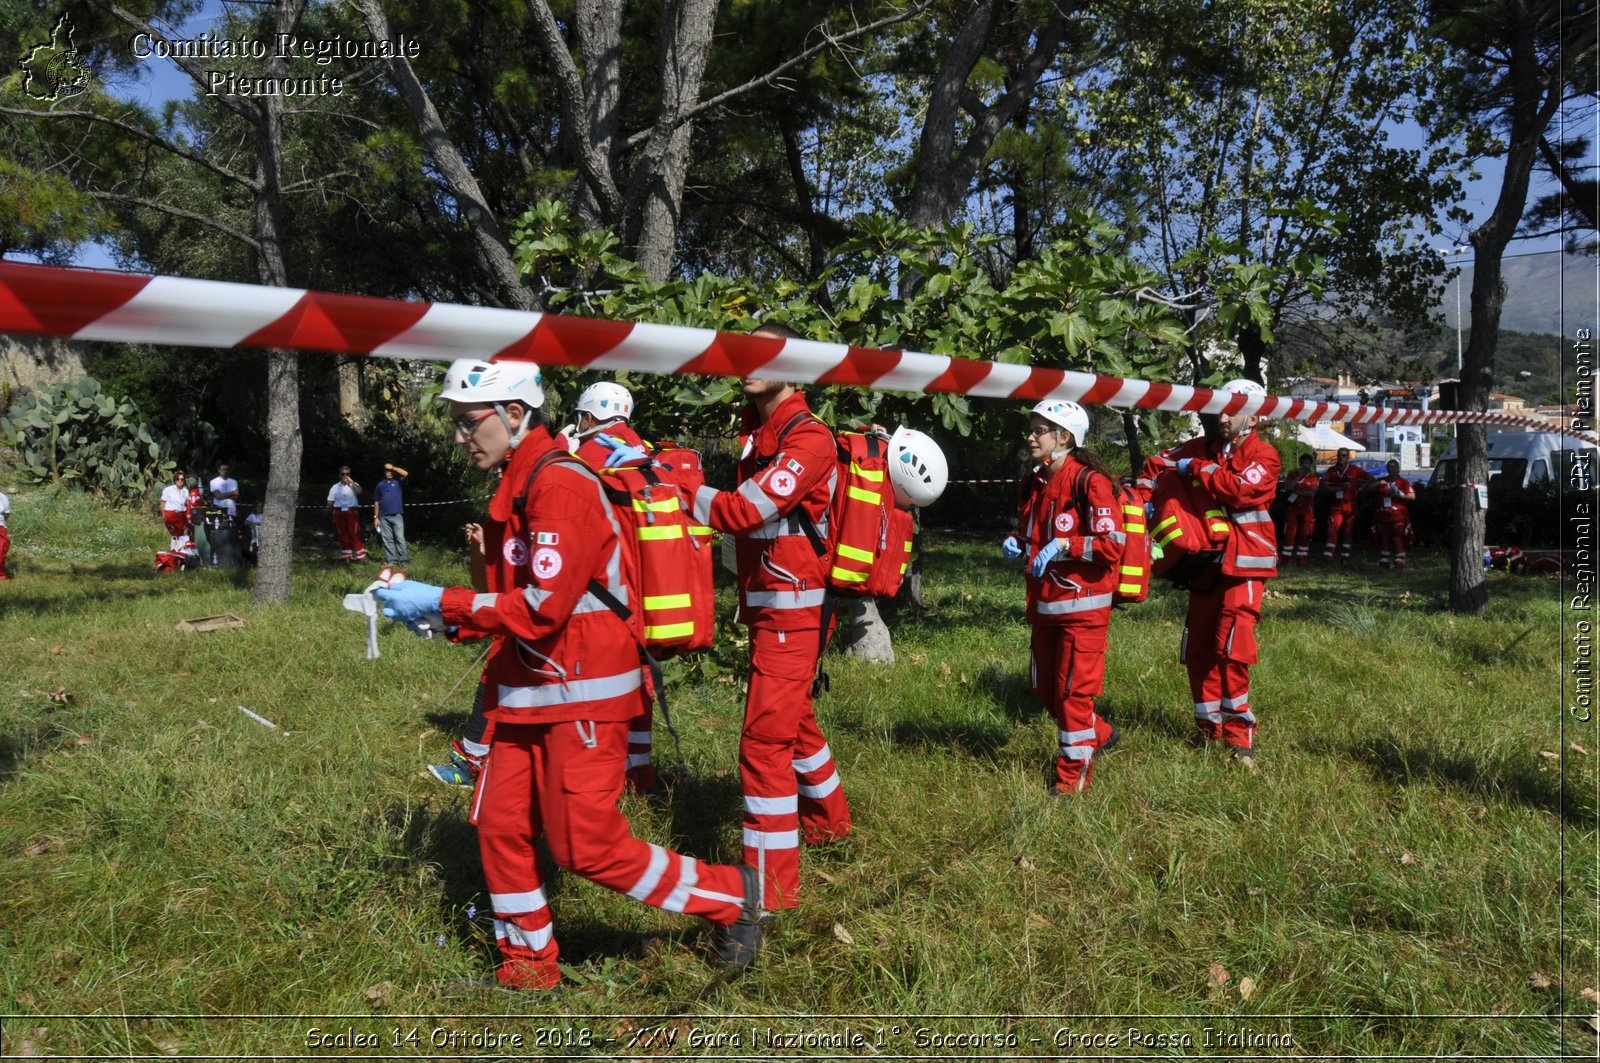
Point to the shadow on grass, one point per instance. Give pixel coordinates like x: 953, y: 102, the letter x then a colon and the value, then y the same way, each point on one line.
x: 1552, y: 792
x: 1137, y: 715
x: 108, y: 583
x: 703, y: 804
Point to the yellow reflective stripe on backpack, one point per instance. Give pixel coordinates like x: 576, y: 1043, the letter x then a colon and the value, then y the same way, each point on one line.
x: 1165, y: 539
x: 699, y: 529
x: 666, y: 505
x: 670, y: 531
x: 667, y: 601
x: 669, y: 631
x: 1127, y: 570
x: 846, y: 576
x: 854, y: 554
x: 871, y: 498
x: 875, y: 475
x: 1129, y: 588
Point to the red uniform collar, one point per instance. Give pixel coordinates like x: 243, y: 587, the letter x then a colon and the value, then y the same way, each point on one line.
x: 515, y: 470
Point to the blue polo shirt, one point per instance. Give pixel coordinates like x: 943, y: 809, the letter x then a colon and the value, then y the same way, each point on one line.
x: 388, y: 495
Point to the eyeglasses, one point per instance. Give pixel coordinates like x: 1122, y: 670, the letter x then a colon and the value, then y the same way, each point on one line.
x: 1032, y: 432
x: 467, y: 425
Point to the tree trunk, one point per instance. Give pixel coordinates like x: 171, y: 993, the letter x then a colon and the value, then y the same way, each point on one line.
x: 494, y: 250
x: 275, y: 564
x: 864, y: 634
x: 655, y: 187
x: 1130, y: 429
x: 598, y: 28
x: 350, y: 408
x: 943, y: 173
x: 1535, y: 97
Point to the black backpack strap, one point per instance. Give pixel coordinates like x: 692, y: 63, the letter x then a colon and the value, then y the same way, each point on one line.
x: 648, y: 662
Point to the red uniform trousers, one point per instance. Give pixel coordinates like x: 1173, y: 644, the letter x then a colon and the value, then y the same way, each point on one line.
x: 1297, y: 533
x: 347, y: 522
x: 1392, y: 537
x: 1219, y: 646
x: 1341, y: 529
x: 791, y: 787
x: 563, y: 780
x: 177, y: 522
x: 1067, y: 671
x: 5, y: 545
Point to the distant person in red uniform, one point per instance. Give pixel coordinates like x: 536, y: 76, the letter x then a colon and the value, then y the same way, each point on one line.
x: 5, y: 536
x: 175, y: 508
x: 1301, y: 518
x: 1240, y: 470
x: 1340, y: 484
x: 561, y: 682
x: 344, y: 505
x: 1070, y: 539
x: 1394, y: 517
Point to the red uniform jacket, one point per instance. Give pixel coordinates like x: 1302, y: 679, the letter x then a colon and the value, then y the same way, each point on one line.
x: 781, y: 578
x: 1243, y: 476
x: 559, y: 652
x: 1393, y: 494
x: 1303, y: 489
x: 1342, y: 486
x: 1076, y: 588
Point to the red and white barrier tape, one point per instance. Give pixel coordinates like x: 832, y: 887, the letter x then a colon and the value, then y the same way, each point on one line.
x: 131, y: 308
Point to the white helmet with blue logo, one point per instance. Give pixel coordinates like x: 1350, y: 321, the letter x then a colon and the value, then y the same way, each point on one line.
x: 475, y: 380
x: 918, y: 470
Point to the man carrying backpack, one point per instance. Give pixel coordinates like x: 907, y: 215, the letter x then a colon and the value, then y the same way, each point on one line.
x: 791, y: 787
x: 1240, y: 471
x: 562, y: 680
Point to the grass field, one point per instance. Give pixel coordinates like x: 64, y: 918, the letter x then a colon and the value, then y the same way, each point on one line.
x: 1412, y: 872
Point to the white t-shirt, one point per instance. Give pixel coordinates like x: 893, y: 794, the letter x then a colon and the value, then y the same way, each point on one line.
x: 342, y: 496
x: 224, y: 485
x: 174, y: 499
x: 5, y: 507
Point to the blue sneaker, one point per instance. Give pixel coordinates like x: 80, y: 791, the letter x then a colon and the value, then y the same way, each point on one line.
x: 461, y: 771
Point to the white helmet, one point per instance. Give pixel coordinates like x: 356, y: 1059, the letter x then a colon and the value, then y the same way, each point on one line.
x: 1244, y: 387
x: 474, y: 380
x: 917, y: 468
x: 606, y: 401
x: 1068, y: 415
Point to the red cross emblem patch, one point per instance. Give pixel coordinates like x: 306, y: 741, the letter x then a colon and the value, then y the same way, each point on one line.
x: 546, y: 562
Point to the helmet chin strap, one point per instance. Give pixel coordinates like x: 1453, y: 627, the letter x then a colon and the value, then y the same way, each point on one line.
x: 1061, y: 452
x: 598, y: 427
x: 514, y: 435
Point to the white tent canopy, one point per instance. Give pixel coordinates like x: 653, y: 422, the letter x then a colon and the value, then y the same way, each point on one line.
x: 1321, y: 436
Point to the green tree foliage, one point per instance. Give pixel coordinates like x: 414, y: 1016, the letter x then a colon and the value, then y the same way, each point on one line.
x: 76, y: 435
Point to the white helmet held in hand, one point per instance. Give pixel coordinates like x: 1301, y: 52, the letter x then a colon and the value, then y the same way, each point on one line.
x: 475, y: 380
x: 606, y: 401
x: 1068, y: 415
x: 917, y: 468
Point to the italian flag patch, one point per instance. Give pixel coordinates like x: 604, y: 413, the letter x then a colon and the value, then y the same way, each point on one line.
x: 547, y: 539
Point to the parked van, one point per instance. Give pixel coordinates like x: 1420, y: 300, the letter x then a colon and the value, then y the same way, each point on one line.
x: 1526, y: 458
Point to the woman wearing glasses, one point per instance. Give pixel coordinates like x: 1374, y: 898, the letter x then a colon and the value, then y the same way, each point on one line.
x: 1070, y: 539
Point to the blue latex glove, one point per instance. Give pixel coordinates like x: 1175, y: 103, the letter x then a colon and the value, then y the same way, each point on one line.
x: 621, y: 453
x: 1149, y: 512
x: 409, y: 601
x: 1011, y: 547
x: 1183, y: 466
x: 1043, y: 558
